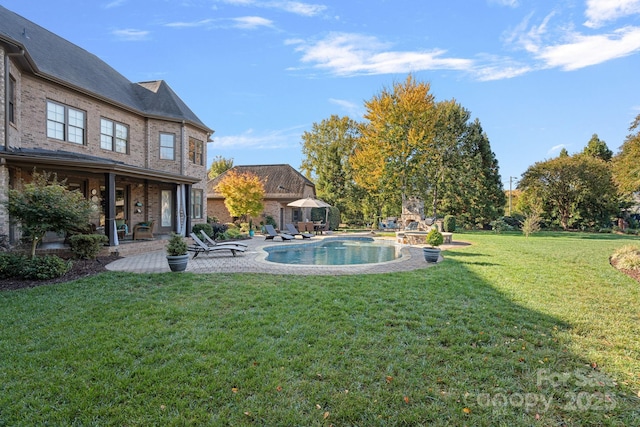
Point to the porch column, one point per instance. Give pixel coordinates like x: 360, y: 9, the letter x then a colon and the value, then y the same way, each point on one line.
x: 110, y: 207
x: 187, y: 209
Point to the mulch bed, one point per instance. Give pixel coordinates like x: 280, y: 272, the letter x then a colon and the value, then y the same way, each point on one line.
x: 80, y: 268
x: 634, y: 274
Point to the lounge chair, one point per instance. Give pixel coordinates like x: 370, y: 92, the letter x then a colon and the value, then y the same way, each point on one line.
x: 271, y: 233
x: 294, y: 232
x: 199, y: 246
x: 208, y: 240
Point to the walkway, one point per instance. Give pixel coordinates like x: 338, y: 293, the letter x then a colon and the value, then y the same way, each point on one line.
x: 253, y: 261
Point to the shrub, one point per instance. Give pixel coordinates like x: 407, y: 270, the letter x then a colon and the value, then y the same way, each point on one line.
x: 177, y: 245
x: 500, y: 225
x: 449, y: 223
x: 87, y: 246
x: 218, y: 229
x: 268, y: 220
x: 44, y: 268
x: 232, y: 233
x: 11, y: 264
x: 208, y: 229
x: 627, y: 257
x: 434, y: 238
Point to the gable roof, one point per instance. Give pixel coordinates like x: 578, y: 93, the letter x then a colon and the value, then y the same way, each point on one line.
x: 54, y: 58
x: 279, y: 180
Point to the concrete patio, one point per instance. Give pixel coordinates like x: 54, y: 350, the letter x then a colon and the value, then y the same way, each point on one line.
x: 253, y: 261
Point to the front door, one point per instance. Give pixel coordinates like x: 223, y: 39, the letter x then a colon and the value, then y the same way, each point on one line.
x: 166, y: 211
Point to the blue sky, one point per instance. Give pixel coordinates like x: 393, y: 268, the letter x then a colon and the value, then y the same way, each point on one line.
x: 539, y: 75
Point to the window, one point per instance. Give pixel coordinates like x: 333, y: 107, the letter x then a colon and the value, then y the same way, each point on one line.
x: 114, y: 136
x: 167, y: 146
x: 12, y: 99
x: 196, y: 151
x: 65, y: 123
x: 197, y: 211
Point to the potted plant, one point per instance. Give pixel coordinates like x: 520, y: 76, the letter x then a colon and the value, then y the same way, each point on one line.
x: 177, y: 253
x: 251, y: 232
x: 434, y: 239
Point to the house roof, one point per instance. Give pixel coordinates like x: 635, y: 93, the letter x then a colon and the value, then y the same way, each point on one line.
x: 52, y: 57
x: 280, y: 181
x: 32, y: 157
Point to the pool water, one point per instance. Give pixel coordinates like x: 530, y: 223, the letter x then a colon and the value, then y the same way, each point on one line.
x: 334, y: 251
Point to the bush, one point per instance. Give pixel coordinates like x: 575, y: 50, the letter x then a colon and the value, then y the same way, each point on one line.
x: 434, y: 238
x: 270, y: 221
x: 44, y: 268
x: 208, y: 229
x: 627, y: 257
x: 449, y: 223
x: 232, y: 233
x: 176, y: 246
x: 11, y: 264
x: 218, y: 229
x: 500, y: 225
x: 87, y: 246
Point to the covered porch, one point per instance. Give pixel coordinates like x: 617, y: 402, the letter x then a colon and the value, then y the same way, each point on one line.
x: 124, y: 196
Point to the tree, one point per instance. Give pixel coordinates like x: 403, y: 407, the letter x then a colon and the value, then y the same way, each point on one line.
x: 626, y: 164
x: 327, y: 148
x: 574, y: 191
x: 45, y: 204
x: 219, y: 166
x: 598, y: 149
x: 396, y: 137
x: 243, y: 194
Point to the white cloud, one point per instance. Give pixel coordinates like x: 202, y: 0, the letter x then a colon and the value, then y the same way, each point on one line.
x: 582, y: 51
x: 194, y: 24
x: 252, y: 22
x: 556, y: 149
x: 268, y: 140
x: 600, y: 12
x: 296, y: 7
x: 354, y: 110
x: 509, y: 3
x: 348, y: 54
x: 114, y: 3
x: 131, y: 34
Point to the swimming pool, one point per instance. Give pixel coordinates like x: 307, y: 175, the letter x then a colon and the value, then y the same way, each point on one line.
x: 335, y: 251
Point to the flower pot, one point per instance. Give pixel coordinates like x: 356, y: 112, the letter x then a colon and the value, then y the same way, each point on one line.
x: 431, y: 254
x: 178, y: 262
x: 251, y: 233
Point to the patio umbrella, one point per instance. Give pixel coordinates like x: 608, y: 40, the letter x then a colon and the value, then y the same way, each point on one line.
x: 311, y: 202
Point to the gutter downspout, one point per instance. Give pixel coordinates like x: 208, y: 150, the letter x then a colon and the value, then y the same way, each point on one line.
x: 7, y: 77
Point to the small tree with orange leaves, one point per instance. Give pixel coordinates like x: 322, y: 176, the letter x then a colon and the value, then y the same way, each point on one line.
x: 243, y: 194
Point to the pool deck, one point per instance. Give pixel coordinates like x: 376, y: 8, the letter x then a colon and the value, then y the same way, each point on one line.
x: 253, y: 261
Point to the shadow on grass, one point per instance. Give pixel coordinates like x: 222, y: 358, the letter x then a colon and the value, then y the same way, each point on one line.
x: 438, y: 346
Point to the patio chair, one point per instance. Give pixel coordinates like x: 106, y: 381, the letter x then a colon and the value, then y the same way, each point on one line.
x: 294, y: 232
x: 271, y: 233
x: 143, y: 230
x: 208, y: 240
x: 199, y: 247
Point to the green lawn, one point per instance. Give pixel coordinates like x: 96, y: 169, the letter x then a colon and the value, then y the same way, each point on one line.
x: 508, y: 331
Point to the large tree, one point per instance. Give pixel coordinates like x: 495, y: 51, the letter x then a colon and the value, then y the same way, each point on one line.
x: 598, y: 148
x: 327, y: 148
x: 243, y: 194
x: 574, y: 191
x: 219, y: 166
x: 626, y: 164
x: 45, y: 204
x: 395, y: 138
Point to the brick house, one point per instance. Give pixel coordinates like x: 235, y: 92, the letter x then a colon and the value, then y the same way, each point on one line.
x: 135, y: 149
x: 282, y: 183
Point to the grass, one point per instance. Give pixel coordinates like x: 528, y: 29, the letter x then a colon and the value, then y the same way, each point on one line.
x: 509, y: 331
